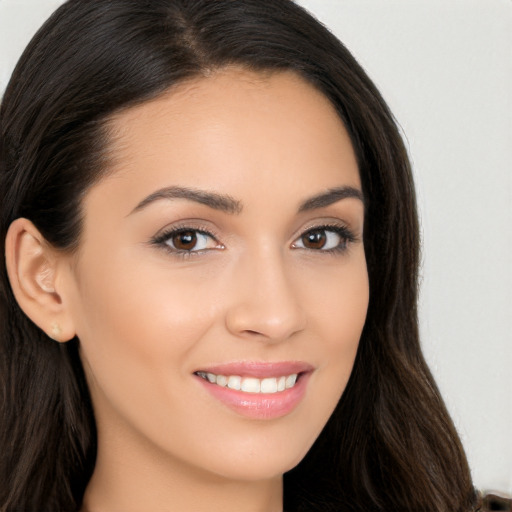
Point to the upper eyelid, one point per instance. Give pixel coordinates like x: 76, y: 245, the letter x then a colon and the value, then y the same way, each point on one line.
x: 326, y: 226
x: 185, y: 226
x: 340, y: 230
x: 333, y: 225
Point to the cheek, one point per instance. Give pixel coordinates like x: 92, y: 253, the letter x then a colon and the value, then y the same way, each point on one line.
x: 136, y: 326
x: 142, y: 307
x: 337, y: 304
x: 347, y: 325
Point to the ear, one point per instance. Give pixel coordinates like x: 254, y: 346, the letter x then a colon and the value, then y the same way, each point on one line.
x: 33, y: 268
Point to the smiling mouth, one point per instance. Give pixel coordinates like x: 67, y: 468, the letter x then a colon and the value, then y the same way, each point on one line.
x: 267, y: 385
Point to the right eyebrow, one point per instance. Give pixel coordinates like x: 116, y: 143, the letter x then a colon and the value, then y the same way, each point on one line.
x: 214, y: 200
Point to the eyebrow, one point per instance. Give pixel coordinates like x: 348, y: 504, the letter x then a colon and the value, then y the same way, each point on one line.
x: 232, y: 206
x: 333, y: 195
x: 214, y: 200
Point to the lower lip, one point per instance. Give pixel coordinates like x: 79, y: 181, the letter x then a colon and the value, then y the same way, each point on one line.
x: 262, y: 406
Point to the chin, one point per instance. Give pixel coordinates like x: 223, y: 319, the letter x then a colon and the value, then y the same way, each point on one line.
x: 256, y: 463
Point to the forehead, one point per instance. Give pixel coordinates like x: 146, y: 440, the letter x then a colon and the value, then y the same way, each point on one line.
x: 229, y: 129
x: 225, y: 93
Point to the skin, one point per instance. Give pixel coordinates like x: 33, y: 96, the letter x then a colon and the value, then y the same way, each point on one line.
x: 147, y: 317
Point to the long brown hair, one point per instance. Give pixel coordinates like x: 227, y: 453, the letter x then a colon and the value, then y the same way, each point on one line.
x: 390, y: 444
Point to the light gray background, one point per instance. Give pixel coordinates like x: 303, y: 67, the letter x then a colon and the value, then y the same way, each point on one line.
x: 445, y: 67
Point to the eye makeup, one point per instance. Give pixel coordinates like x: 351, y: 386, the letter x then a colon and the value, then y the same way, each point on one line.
x: 186, y: 240
x: 182, y: 240
x: 323, y: 238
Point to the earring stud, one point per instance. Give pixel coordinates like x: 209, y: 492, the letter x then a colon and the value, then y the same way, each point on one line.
x: 56, y: 332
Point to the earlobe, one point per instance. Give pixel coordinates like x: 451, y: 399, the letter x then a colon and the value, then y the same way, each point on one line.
x: 32, y: 267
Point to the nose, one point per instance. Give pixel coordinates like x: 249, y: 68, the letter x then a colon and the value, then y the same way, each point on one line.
x: 265, y: 304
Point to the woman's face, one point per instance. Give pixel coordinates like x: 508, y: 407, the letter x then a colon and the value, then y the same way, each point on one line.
x: 226, y: 246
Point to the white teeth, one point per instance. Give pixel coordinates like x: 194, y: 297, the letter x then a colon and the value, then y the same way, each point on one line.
x: 269, y: 386
x: 234, y: 382
x: 222, y: 380
x: 290, y: 381
x: 251, y: 384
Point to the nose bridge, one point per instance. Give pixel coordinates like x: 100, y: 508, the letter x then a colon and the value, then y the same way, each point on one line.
x: 266, y: 302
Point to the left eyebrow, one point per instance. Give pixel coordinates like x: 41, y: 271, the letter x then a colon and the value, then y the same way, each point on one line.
x: 333, y: 195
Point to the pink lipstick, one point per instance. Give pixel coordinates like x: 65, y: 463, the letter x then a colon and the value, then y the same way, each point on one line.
x: 257, y: 390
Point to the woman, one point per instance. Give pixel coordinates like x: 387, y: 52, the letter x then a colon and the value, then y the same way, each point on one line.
x: 210, y: 237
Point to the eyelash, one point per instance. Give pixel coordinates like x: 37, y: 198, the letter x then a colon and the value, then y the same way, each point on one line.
x: 161, y: 240
x: 346, y: 235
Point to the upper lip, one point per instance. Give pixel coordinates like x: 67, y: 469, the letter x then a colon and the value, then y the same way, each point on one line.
x: 258, y: 369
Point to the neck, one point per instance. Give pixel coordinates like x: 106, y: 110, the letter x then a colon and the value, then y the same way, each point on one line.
x: 134, y: 476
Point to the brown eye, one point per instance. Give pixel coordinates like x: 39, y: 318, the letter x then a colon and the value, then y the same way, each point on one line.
x: 324, y: 239
x: 184, y: 240
x: 188, y: 241
x: 314, y: 239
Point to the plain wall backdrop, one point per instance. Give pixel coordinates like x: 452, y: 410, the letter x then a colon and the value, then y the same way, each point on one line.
x: 445, y: 68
